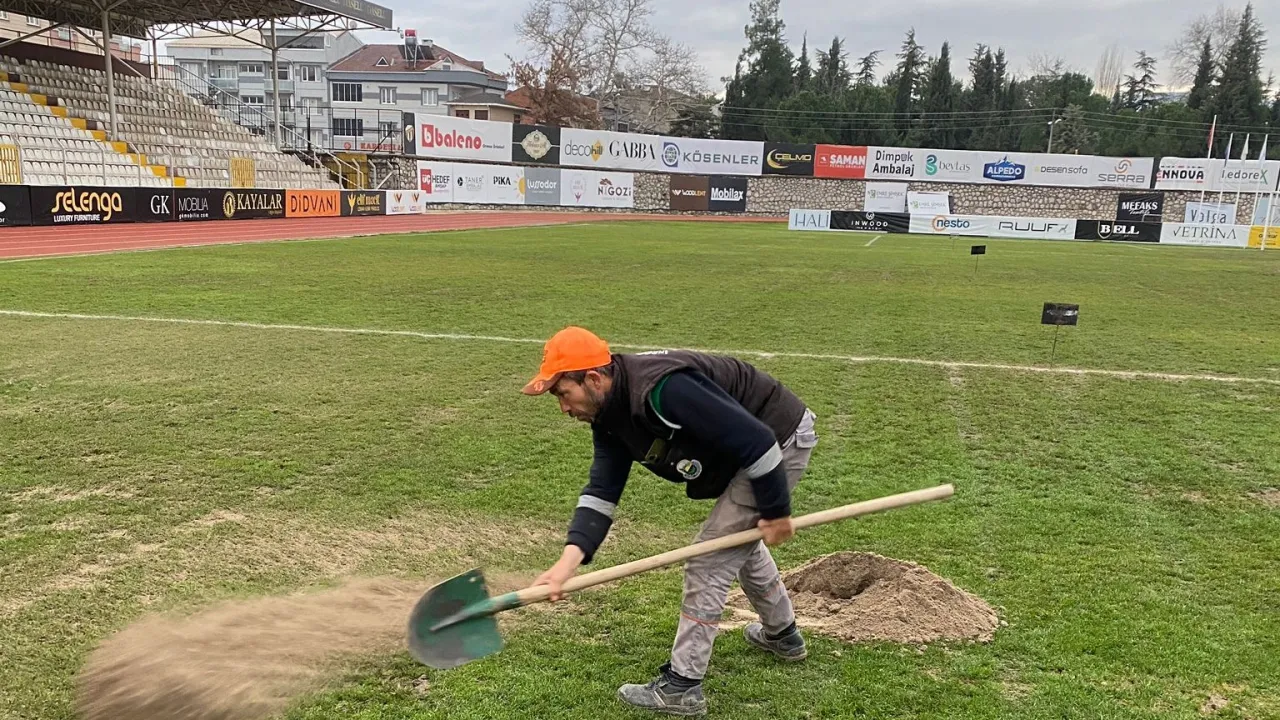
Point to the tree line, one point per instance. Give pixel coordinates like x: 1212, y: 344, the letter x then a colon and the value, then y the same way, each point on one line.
x: 925, y: 100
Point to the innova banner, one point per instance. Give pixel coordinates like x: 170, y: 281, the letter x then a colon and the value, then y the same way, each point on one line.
x: 995, y: 226
x: 76, y: 205
x: 441, y: 136
x: 1209, y: 235
x: 788, y: 159
x: 1213, y: 175
x: 435, y: 180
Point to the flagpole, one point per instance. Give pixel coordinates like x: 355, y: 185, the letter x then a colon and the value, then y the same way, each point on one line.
x: 1271, y: 203
x: 1208, y: 156
x: 1244, y: 159
x: 1225, y: 159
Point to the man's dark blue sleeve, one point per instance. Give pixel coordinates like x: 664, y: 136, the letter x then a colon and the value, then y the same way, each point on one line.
x: 690, y: 400
x: 610, y: 469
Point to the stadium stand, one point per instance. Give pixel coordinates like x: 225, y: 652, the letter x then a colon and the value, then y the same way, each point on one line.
x: 57, y: 115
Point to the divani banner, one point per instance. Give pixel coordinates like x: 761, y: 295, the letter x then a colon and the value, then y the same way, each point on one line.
x: 313, y: 203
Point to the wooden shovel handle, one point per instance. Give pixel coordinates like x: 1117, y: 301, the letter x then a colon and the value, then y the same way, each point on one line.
x: 538, y: 593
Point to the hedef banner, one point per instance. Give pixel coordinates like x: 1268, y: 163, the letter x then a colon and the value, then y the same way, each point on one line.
x: 994, y: 226
x: 1140, y: 207
x: 1212, y: 175
x: 885, y: 197
x: 928, y: 203
x: 1209, y: 235
x: 801, y: 219
x: 441, y: 136
x: 435, y: 180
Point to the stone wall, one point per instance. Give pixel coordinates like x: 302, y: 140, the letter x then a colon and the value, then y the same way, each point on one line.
x: 772, y: 195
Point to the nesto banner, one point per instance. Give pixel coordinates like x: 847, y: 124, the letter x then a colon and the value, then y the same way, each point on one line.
x: 994, y: 226
x: 441, y: 136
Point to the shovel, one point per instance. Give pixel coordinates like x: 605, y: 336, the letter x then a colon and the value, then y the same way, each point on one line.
x: 452, y: 624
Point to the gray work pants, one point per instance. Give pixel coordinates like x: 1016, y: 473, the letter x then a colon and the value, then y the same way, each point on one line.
x: 707, y: 578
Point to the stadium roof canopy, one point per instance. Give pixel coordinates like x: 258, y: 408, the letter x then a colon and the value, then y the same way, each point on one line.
x: 143, y: 18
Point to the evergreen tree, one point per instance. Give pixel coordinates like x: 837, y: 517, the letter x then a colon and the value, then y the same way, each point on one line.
x: 1073, y: 135
x: 907, y: 80
x: 832, y: 76
x: 1238, y: 99
x: 867, y: 65
x: 768, y: 78
x: 1139, y: 89
x: 804, y: 72
x: 937, y: 102
x: 1202, y: 87
x: 696, y: 120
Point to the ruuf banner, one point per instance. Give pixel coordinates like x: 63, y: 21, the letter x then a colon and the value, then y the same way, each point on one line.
x: 1118, y: 231
x: 872, y: 222
x: 789, y: 159
x: 1140, y: 207
x: 53, y: 205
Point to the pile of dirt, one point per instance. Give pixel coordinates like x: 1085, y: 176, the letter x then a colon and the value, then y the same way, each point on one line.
x: 860, y: 597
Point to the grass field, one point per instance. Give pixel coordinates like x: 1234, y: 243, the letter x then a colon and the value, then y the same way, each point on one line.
x: 1127, y: 529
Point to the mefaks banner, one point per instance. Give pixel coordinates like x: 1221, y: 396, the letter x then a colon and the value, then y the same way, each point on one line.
x: 1140, y: 207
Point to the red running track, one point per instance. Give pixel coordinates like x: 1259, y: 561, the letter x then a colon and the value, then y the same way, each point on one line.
x: 25, y: 242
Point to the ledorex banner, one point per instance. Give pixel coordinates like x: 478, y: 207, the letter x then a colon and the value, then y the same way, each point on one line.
x: 1212, y: 175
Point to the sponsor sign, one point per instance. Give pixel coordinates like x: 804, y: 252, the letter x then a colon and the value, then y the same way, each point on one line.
x: 1256, y: 233
x: 1212, y: 175
x: 506, y: 185
x: 949, y: 166
x: 406, y: 202
x: 1210, y: 213
x: 1004, y: 170
x: 840, y: 161
x: 435, y: 180
x: 1117, y: 231
x: 690, y: 192
x: 15, y: 205
x: 728, y: 194
x: 542, y: 186
x: 613, y: 150
x: 312, y: 203
x: 615, y: 190
x: 1140, y: 207
x: 885, y: 197
x: 789, y: 159
x: 994, y: 226
x: 197, y: 204
x: 695, y: 155
x: 928, y: 203
x: 872, y: 222
x: 800, y: 219
x: 250, y: 203
x: 441, y: 136
x: 77, y: 205
x: 364, y: 202
x: 470, y: 185
x: 891, y: 164
x: 1060, y: 314
x: 538, y: 144
x: 154, y: 206
x: 1211, y: 235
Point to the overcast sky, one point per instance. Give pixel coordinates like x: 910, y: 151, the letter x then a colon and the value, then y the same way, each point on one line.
x: 1076, y: 30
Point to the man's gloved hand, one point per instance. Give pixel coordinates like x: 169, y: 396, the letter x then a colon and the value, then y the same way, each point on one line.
x: 777, y: 531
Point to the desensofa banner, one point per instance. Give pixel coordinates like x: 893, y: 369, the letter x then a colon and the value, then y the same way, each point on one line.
x: 468, y: 183
x: 1214, y: 175
x: 15, y: 205
x: 81, y: 205
x: 982, y: 167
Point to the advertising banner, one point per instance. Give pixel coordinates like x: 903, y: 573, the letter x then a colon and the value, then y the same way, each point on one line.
x: 1117, y: 231
x: 967, y: 166
x: 840, y: 161
x: 1216, y: 174
x: 535, y: 144
x: 710, y: 157
x: 55, y: 205
x: 801, y: 219
x: 15, y: 205
x: 364, y: 202
x: 1140, y: 207
x: 788, y: 159
x: 198, y: 204
x: 690, y: 192
x: 1256, y: 233
x: 728, y: 194
x: 312, y: 203
x: 1208, y: 213
x: 892, y: 164
x: 154, y: 205
x: 542, y: 185
x: 994, y: 226
x: 1209, y: 235
x: 471, y: 185
x: 611, y: 150
x: 885, y: 197
x: 506, y: 185
x: 613, y: 190
x: 252, y: 204
x: 441, y: 136
x: 872, y: 222
x: 406, y: 202
x: 928, y: 203
x: 435, y: 180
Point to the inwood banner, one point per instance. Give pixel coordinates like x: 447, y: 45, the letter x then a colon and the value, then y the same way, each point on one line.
x: 994, y: 226
x: 1212, y: 175
x: 968, y: 166
x: 871, y: 222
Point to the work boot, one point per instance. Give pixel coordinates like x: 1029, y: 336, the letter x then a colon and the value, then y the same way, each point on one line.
x: 788, y: 646
x: 668, y: 693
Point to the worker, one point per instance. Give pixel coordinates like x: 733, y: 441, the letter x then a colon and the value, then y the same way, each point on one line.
x: 727, y: 431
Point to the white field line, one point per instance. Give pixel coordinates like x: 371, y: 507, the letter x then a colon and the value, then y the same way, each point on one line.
x: 872, y: 240
x: 950, y: 364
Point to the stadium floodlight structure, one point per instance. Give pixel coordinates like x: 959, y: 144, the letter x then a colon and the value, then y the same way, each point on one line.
x: 163, y: 19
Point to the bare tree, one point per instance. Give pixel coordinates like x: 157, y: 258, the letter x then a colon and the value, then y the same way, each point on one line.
x: 1045, y: 65
x: 1183, y: 55
x: 1110, y: 71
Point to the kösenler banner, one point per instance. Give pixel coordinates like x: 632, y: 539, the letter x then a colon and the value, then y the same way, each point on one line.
x: 972, y: 166
x: 653, y: 153
x: 1213, y: 175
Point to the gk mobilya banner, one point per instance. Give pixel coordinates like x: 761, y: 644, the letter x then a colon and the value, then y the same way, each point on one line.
x: 996, y: 168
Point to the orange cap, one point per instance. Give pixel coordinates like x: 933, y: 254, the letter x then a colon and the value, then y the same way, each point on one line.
x: 573, y: 348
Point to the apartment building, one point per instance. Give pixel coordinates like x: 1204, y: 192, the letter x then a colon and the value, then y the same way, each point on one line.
x: 13, y: 25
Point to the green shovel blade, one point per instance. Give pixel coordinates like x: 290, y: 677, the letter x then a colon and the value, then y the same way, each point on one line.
x: 462, y: 640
